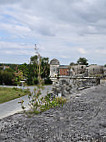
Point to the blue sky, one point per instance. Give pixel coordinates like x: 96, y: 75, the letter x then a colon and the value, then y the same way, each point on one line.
x: 62, y: 29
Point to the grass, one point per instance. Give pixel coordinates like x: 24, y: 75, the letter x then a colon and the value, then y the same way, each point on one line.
x: 7, y: 94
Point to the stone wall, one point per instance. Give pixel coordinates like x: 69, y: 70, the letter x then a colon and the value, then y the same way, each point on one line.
x: 66, y: 85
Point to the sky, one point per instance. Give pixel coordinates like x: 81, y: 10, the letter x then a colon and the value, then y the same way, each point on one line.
x: 61, y: 29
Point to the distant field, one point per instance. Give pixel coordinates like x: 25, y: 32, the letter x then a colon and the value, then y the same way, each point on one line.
x: 7, y: 94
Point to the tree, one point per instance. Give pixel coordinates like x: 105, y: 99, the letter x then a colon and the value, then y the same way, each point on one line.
x: 18, y: 77
x: 34, y: 59
x: 38, y: 67
x: 6, y: 77
x: 24, y: 69
x: 45, y: 67
x: 82, y: 61
x: 72, y: 64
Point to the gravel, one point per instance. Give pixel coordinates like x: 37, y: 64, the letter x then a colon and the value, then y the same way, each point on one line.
x: 81, y: 119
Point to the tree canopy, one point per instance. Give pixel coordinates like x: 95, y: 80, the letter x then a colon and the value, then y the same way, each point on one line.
x: 29, y: 72
x: 82, y: 61
x: 72, y: 64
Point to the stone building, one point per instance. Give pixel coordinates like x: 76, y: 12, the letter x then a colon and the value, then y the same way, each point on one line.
x: 64, y: 70
x: 57, y: 70
x: 54, y: 66
x: 78, y: 69
x: 104, y: 71
x: 69, y: 79
x: 95, y: 70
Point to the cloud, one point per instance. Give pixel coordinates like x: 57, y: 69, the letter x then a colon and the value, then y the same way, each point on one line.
x: 61, y: 28
x: 5, y: 2
x: 102, y: 51
x: 5, y: 45
x: 81, y: 50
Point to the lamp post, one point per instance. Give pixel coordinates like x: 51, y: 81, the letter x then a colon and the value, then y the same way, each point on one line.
x: 39, y: 64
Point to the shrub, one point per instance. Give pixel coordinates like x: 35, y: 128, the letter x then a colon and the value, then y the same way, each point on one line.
x: 6, y: 77
x: 47, y: 81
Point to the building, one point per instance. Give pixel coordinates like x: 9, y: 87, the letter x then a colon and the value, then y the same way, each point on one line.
x: 54, y: 65
x: 78, y: 69
x: 95, y: 70
x: 57, y: 70
x: 64, y: 70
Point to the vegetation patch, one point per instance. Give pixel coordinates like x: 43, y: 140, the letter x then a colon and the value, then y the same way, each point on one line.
x: 7, y: 94
x: 38, y: 105
x: 48, y: 103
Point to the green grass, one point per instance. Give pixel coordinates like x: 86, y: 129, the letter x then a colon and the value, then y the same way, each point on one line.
x: 7, y: 94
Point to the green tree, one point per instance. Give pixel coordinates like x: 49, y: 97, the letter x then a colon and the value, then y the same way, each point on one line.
x: 34, y: 69
x: 72, y: 64
x: 18, y: 77
x: 6, y: 77
x: 45, y: 67
x: 24, y: 69
x: 34, y: 59
x: 82, y: 61
x: 32, y: 77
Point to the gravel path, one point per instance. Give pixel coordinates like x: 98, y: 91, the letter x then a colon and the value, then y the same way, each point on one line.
x: 83, y: 118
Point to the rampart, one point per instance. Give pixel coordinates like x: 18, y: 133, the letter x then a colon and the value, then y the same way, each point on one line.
x: 67, y: 85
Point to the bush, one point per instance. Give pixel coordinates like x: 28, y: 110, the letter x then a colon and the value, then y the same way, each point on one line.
x: 39, y: 105
x: 48, y: 103
x: 6, y: 77
x: 47, y: 81
x: 35, y: 80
